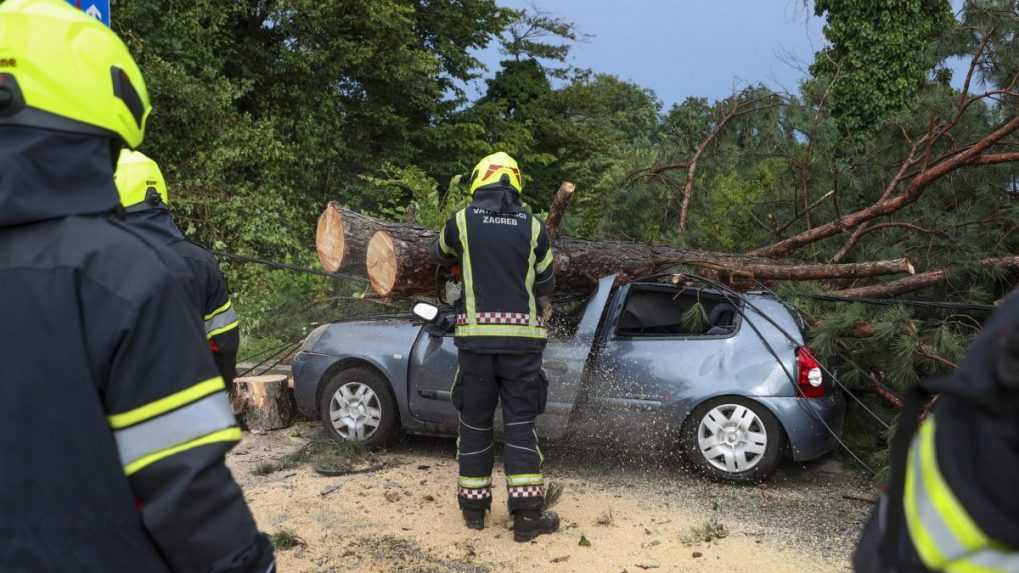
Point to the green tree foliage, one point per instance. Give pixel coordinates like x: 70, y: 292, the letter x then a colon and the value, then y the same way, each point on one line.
x: 879, y: 56
x: 265, y: 110
x: 539, y: 35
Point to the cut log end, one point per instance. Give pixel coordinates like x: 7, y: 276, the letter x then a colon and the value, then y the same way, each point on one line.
x: 382, y: 263
x: 909, y: 267
x: 329, y: 239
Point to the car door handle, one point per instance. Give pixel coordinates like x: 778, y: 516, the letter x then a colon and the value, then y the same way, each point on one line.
x: 434, y: 394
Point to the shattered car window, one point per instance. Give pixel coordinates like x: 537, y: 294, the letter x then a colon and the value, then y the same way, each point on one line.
x: 665, y: 311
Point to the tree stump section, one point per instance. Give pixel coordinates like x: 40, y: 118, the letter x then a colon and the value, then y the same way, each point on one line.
x: 399, y: 261
x: 264, y: 402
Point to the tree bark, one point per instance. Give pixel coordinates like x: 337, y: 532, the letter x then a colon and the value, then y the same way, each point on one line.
x: 777, y: 270
x: 342, y: 236
x: 921, y: 280
x: 560, y: 202
x: 264, y: 402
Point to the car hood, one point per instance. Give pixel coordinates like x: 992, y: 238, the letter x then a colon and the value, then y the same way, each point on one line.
x: 371, y: 337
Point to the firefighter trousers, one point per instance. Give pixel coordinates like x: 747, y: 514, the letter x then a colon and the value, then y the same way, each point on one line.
x: 482, y: 381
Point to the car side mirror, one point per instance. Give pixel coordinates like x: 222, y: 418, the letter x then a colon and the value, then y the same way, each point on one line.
x: 425, y: 311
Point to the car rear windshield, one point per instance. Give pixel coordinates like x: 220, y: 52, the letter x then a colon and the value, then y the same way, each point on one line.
x: 655, y: 311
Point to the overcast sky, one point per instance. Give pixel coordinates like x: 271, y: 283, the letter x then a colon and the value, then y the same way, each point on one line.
x: 682, y: 48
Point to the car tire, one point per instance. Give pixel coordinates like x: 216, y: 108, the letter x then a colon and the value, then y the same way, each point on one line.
x: 733, y: 439
x: 357, y: 406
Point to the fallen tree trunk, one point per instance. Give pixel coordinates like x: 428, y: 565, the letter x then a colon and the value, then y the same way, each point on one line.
x: 399, y: 263
x: 396, y: 257
x: 921, y: 280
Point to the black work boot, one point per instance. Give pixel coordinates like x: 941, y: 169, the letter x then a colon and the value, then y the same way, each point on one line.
x: 474, y: 518
x: 530, y: 523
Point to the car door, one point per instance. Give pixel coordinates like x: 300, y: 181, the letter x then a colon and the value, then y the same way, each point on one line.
x: 433, y: 364
x: 649, y: 361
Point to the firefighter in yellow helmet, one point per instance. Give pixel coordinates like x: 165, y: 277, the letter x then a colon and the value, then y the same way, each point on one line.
x: 145, y: 200
x: 506, y: 260
x: 951, y: 503
x: 113, y: 420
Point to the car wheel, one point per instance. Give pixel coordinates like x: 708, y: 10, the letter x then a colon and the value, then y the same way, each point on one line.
x: 733, y: 439
x: 358, y: 406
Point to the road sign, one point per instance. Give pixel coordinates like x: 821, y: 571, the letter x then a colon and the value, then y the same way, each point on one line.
x: 98, y: 9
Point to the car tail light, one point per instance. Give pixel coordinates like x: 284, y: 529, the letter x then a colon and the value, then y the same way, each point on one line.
x: 810, y: 377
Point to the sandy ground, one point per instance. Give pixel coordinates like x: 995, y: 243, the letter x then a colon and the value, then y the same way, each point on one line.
x: 636, y: 514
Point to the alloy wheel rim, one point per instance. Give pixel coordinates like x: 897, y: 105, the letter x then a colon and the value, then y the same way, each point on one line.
x: 355, y: 411
x: 732, y: 438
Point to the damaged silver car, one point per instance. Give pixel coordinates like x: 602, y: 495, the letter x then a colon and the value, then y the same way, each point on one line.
x: 727, y: 380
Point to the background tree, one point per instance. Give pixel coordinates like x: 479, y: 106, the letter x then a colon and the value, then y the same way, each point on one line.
x: 265, y: 110
x: 879, y: 55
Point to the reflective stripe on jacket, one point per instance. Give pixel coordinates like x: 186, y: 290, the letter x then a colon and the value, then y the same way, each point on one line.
x: 945, y: 536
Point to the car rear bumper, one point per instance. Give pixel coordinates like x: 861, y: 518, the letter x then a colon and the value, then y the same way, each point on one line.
x: 806, y: 422
x: 308, y: 369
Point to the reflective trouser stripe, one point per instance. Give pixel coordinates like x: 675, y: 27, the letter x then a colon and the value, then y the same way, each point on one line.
x: 468, y: 272
x: 943, y: 533
x: 166, y: 403
x: 525, y: 479
x: 475, y: 428
x: 533, y: 451
x: 541, y: 456
x: 460, y: 454
x: 474, y: 482
x: 182, y: 425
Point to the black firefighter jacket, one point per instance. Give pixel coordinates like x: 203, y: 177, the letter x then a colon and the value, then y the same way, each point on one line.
x: 205, y: 284
x: 113, y: 420
x: 506, y: 259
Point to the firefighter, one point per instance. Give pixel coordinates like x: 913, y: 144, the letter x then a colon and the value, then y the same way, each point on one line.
x: 144, y: 197
x: 505, y: 257
x: 951, y: 503
x: 113, y: 421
